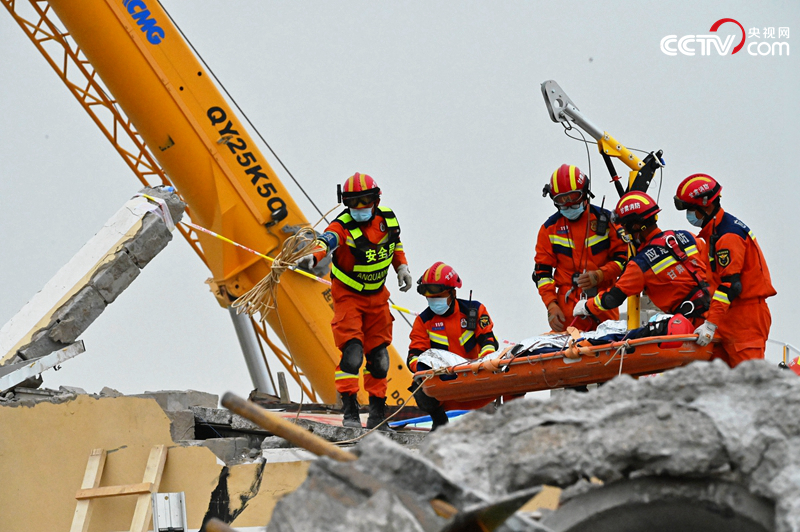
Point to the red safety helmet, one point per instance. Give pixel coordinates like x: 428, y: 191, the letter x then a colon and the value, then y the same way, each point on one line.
x: 697, y: 190
x: 568, y: 186
x: 678, y: 325
x: 358, y: 189
x: 635, y: 208
x: 437, y: 279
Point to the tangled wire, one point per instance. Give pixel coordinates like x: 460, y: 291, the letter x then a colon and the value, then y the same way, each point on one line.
x: 261, y: 298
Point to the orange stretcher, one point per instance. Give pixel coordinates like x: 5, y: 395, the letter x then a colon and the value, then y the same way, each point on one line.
x: 479, y: 382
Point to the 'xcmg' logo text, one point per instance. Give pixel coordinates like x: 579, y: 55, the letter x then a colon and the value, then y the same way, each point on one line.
x: 149, y: 26
x: 714, y: 44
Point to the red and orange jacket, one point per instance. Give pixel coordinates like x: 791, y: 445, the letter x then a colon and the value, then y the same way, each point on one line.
x: 737, y: 269
x: 362, y: 252
x: 655, y: 271
x: 563, y: 248
x: 450, y: 332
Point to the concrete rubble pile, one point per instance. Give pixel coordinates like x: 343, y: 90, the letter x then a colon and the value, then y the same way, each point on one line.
x: 698, y: 448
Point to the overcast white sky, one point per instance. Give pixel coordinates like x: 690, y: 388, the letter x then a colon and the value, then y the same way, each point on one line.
x: 440, y: 102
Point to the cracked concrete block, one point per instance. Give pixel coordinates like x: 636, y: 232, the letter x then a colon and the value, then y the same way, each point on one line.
x: 115, y: 276
x: 216, y: 416
x: 240, y: 423
x: 110, y: 392
x: 171, y: 400
x: 275, y: 442
x: 76, y: 315
x: 149, y: 241
x: 41, y: 344
x: 72, y: 389
x: 174, y: 203
x: 229, y: 450
x: 181, y: 425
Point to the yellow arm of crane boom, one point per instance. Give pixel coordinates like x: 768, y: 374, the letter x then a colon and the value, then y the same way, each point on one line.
x: 215, y: 165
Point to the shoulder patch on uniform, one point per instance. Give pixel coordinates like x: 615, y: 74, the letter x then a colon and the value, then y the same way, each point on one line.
x: 723, y: 257
x: 484, y: 320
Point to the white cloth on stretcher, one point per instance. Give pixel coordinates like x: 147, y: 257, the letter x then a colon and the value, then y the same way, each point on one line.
x: 439, y: 358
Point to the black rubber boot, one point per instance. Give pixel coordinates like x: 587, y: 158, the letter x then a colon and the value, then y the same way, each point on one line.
x: 377, y: 406
x: 439, y: 418
x: 350, y: 411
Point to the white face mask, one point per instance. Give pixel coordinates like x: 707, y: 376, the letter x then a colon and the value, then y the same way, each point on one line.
x: 438, y: 305
x: 572, y: 213
x: 361, y: 215
x: 692, y: 218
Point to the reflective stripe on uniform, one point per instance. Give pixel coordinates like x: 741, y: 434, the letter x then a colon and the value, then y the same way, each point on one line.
x: 544, y: 281
x: 465, y: 336
x: 488, y: 348
x: 722, y: 297
x: 343, y: 375
x: 384, y: 264
x: 352, y: 283
x: 690, y: 250
x: 561, y: 241
x: 663, y: 264
x: 598, y: 304
x: 438, y: 338
x: 596, y: 239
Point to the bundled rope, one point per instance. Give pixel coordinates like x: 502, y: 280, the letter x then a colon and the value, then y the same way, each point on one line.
x: 261, y: 299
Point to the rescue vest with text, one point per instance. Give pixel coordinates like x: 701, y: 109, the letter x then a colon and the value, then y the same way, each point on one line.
x: 372, y: 259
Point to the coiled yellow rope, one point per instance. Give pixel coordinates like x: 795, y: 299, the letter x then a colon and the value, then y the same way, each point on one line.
x: 261, y: 299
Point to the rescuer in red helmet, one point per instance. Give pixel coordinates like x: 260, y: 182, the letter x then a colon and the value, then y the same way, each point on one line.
x: 365, y: 241
x: 738, y: 274
x: 456, y: 325
x: 667, y: 266
x: 578, y: 250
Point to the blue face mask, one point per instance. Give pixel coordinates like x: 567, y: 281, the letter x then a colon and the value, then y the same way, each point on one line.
x: 692, y: 218
x: 438, y: 305
x: 361, y: 215
x: 572, y: 213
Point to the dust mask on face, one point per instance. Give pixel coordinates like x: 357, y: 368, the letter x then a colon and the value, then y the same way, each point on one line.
x: 572, y: 213
x: 438, y: 305
x: 361, y: 215
x: 692, y: 218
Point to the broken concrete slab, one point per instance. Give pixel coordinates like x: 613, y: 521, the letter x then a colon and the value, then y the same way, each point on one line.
x: 181, y: 424
x: 113, y: 278
x: 229, y: 450
x: 110, y: 392
x: 171, y: 400
x: 214, y: 416
x: 387, y: 488
x: 75, y: 316
x: 57, y: 315
x: 150, y: 240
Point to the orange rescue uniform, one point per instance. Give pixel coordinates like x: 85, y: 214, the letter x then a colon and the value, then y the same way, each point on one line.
x: 655, y: 271
x: 563, y: 249
x: 449, y: 332
x: 361, y: 259
x: 740, y: 283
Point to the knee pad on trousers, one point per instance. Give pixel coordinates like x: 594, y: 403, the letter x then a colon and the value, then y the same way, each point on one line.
x: 378, y: 362
x: 352, y: 357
